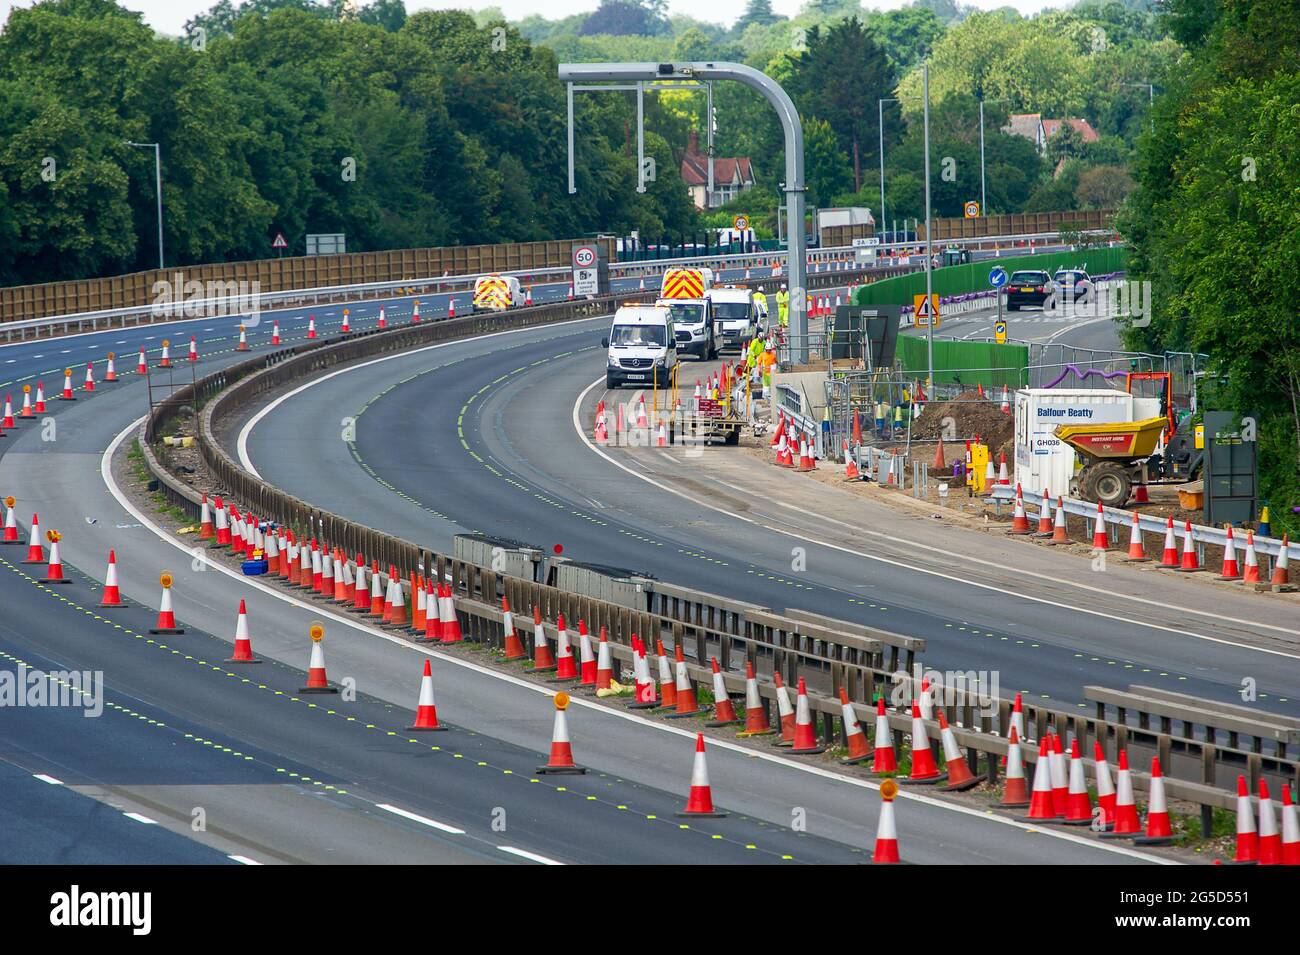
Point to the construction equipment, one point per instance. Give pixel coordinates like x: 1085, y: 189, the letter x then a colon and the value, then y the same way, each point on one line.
x: 1115, y: 456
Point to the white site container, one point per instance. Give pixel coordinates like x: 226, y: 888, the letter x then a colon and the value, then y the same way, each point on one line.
x: 1045, y: 461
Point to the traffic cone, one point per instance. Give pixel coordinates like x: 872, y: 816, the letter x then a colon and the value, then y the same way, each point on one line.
x: 166, y: 618
x: 451, y: 306
x: 1044, y: 516
x: 1126, y: 814
x: 1078, y: 804
x: 805, y: 731
x: 1190, y: 563
x: 755, y: 712
x: 528, y: 295
x: 243, y: 645
x: 990, y: 475
x: 275, y: 332
x: 1290, y: 829
x: 685, y: 690
x: 142, y: 366
x: 601, y: 432
x: 10, y: 533
x: 54, y: 570
x: 1136, y: 552
x: 165, y: 361
x: 110, y: 373
x: 383, y: 321
x: 780, y: 421
x: 89, y: 384
x: 311, y: 326
x: 1060, y: 777
x: 1100, y: 540
x: 426, y: 711
x: 1170, y: 556
x: 206, y: 531
x: 1270, y: 840
x: 8, y: 420
x: 724, y: 712
x: 883, y: 759
x: 924, y: 769
x: 642, y: 422
x: 1003, y: 478
x: 514, y: 647
x: 1041, y: 804
x: 561, y: 761
x: 1251, y: 573
x: 785, y: 711
x: 35, y: 552
x: 644, y: 697
x: 1015, y: 794
x: 112, y: 595
x: 886, y: 850
x: 451, y: 632
x: 1140, y: 495
x: 1280, y: 577
x: 434, y: 612
x: 667, y: 677
x: 28, y: 411
x: 1019, y: 520
x: 1005, y: 408
x: 806, y: 462
x: 1230, y: 569
x: 1018, y: 717
x: 960, y: 777
x: 346, y: 328
x: 400, y: 616
x: 543, y: 660
x: 1247, y: 836
x: 1105, y: 788
x: 850, y: 466
x: 360, y: 584
x: 565, y: 666
x: 67, y: 386
x: 939, y: 463
x: 604, y: 662
x: 854, y: 737
x: 700, y: 801
x: 415, y: 308
x: 1158, y: 831
x: 317, y: 682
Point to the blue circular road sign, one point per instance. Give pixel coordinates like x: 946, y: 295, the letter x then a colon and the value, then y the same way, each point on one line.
x: 998, y: 277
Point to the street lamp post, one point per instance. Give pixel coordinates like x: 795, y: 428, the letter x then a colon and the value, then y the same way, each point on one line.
x: 929, y: 248
x: 1151, y: 99
x: 157, y: 169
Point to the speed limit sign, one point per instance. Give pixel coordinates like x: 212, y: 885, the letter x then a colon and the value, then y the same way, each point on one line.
x: 972, y: 210
x: 741, y: 223
x: 584, y: 257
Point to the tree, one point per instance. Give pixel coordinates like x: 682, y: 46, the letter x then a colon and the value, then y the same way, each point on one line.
x: 623, y: 18
x: 1103, y: 187
x: 826, y: 168
x: 757, y: 12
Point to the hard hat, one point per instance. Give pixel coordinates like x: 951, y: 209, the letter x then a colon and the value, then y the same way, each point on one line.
x: 783, y: 286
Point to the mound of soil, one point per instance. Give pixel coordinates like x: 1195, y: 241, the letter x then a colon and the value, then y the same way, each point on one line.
x: 972, y: 416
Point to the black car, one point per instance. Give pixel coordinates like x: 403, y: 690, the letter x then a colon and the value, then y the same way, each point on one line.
x: 1028, y: 288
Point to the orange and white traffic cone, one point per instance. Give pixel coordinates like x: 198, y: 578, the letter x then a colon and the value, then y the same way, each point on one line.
x: 206, y: 531
x: 110, y: 372
x: 785, y: 711
x: 434, y: 611
x: 383, y: 320
x: 724, y: 712
x: 644, y: 696
x: 1105, y: 787
x: 400, y: 616
x: 1169, y: 557
x: 360, y: 584
x: 7, y: 420
x: 1158, y: 830
x: 805, y: 731
x: 1100, y: 539
x: 451, y: 632
x: 426, y: 710
x: 1019, y: 520
x: 1078, y: 803
x: 851, y: 472
x: 1005, y: 407
x: 1230, y: 569
x: 806, y: 462
x: 886, y: 851
x: 854, y: 737
x: 28, y: 411
x: 1136, y: 552
x: 275, y: 332
x: 1270, y: 840
x: 67, y: 386
x: 586, y: 657
x: 54, y: 570
x: 451, y: 307
x: 924, y: 769
x: 193, y: 356
x: 755, y: 712
x: 243, y: 644
x: 89, y: 383
x: 1042, y: 806
x: 1190, y: 562
x: 1125, y: 819
x: 667, y: 677
x: 166, y: 616
x: 1250, y: 575
x: 165, y: 361
x: 604, y: 662
x: 543, y: 659
x: 311, y: 326
x: 1015, y: 792
x: 10, y: 533
x: 1003, y: 478
x: 700, y: 801
x: 1044, y: 516
x: 347, y: 326
x: 883, y: 759
x: 1290, y: 829
x: 686, y: 699
x: 317, y: 681
x: 1059, y: 534
x: 601, y: 432
x: 566, y: 667
x: 514, y: 647
x: 112, y: 595
x: 142, y: 366
x: 1247, y: 835
x: 561, y: 761
x: 960, y: 777
x: 1056, y: 762
x: 1280, y: 576
x: 35, y: 551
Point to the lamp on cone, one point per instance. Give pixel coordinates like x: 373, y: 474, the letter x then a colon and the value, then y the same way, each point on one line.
x: 10, y: 533
x: 166, y: 617
x: 317, y: 681
x: 886, y: 851
x: 54, y: 570
x: 561, y: 761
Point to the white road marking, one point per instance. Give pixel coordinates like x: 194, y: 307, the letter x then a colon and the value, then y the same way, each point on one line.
x: 243, y: 860
x: 424, y: 820
x: 531, y: 856
x: 48, y: 779
x: 139, y: 818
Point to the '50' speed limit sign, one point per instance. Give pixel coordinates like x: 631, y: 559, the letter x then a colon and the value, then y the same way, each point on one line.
x: 584, y: 257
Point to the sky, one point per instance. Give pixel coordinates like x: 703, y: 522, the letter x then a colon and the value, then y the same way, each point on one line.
x: 169, y: 16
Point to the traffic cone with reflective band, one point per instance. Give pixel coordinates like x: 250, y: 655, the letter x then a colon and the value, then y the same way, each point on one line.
x: 8, y: 420
x: 1247, y: 836
x: 426, y: 710
x: 543, y: 659
x: 1060, y: 777
x: 805, y: 731
x: 383, y: 320
x: 243, y: 645
x: 686, y: 701
x: 1290, y: 829
x: 755, y: 712
x: 142, y: 366
x: 35, y: 552
x: 206, y: 531
x: 346, y: 328
x: 1230, y: 569
x: 1190, y: 563
x: 451, y: 307
x: 1005, y: 407
x: 28, y: 411
x: 1100, y: 539
x: 451, y: 632
x: 883, y: 759
x: 1078, y: 803
x: 850, y: 466
x: 960, y: 777
x: 166, y: 617
x: 1105, y: 787
x: 604, y: 662
x: 311, y: 326
x: 54, y: 570
x: 1003, y: 478
x: 1281, y: 577
x: 1059, y: 534
x: 561, y: 761
x: 1019, y: 520
x: 514, y: 647
x: 273, y: 554
x: 1169, y: 558
x: 1158, y: 831
x: 110, y: 372
x: 67, y: 386
x: 434, y: 611
x: 785, y: 711
x: 1270, y: 840
x: 854, y: 737
x: 642, y: 422
x: 586, y: 658
x: 644, y: 696
x: 326, y: 588
x: 317, y: 681
x: 886, y: 850
x: 275, y: 332
x: 1136, y: 552
x: 1015, y: 792
x: 89, y: 384
x: 806, y: 462
x: 1250, y: 575
x: 566, y: 667
x: 667, y: 677
x: 1041, y: 804
x: 10, y: 533
x: 1126, y: 822
x: 700, y: 801
x: 990, y: 476
x: 780, y: 422
x: 360, y: 584
x: 400, y: 616
x: 924, y: 768
x: 1044, y: 516
x: 376, y: 590
x: 165, y: 361
x: 601, y: 432
x: 112, y: 595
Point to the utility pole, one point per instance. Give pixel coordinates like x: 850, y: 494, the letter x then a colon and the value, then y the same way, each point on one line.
x: 929, y: 250
x: 157, y: 171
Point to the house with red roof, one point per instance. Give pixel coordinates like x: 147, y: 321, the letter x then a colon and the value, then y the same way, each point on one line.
x: 731, y: 176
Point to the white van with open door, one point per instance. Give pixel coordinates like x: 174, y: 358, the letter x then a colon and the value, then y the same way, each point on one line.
x: 642, y: 347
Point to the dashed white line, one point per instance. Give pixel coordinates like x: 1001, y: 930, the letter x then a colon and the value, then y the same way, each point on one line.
x: 139, y: 818
x: 243, y: 860
x: 531, y: 856
x: 48, y: 779
x: 423, y: 820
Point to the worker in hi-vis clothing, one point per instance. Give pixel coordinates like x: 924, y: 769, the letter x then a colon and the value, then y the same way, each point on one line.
x: 783, y: 306
x: 760, y: 301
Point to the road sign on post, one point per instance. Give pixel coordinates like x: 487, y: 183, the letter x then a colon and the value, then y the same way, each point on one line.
x: 998, y: 279
x: 590, y: 273
x: 280, y: 243
x: 971, y: 210
x: 925, y: 310
x: 740, y: 223
x: 865, y: 249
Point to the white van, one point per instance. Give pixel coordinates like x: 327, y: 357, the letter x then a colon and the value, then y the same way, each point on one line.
x: 697, y: 333
x: 736, y: 314
x: 642, y: 346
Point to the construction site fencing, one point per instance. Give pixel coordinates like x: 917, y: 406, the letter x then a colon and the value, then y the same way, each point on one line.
x: 831, y: 654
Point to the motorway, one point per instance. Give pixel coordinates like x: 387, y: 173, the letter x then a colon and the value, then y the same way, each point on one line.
x: 316, y: 778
